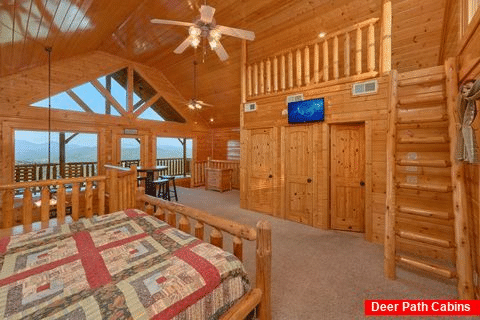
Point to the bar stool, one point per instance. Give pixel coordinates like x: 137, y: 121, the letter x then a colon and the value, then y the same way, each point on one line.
x: 174, y: 190
x: 163, y: 188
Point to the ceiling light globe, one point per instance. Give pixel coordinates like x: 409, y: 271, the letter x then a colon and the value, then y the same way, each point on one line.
x: 213, y: 44
x: 215, y: 34
x: 191, y: 106
x: 194, y: 31
x: 195, y: 41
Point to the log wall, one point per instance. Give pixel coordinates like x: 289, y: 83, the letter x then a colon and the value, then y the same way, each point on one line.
x: 221, y: 137
x: 340, y: 107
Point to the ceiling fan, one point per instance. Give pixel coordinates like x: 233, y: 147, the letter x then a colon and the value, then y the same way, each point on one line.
x: 193, y: 103
x: 204, y: 27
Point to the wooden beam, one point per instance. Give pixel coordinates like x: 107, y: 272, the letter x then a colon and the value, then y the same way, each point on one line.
x: 446, y: 26
x: 389, y: 244
x: 108, y: 85
x: 79, y: 101
x: 107, y: 95
x: 130, y: 89
x: 462, y: 240
x: 71, y: 137
x: 138, y: 104
x: 147, y: 105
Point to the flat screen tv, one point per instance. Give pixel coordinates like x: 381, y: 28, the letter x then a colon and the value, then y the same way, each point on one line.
x: 306, y: 111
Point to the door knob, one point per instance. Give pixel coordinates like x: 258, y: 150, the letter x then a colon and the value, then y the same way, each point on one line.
x: 362, y: 183
x: 270, y: 176
x: 309, y: 180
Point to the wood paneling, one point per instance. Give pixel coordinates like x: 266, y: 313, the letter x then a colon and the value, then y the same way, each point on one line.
x: 221, y: 139
x: 340, y: 107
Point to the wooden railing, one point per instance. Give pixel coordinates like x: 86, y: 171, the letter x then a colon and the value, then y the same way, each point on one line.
x: 176, y: 166
x: 340, y: 55
x: 168, y: 211
x: 44, y: 171
x: 198, y: 173
x: 77, y: 197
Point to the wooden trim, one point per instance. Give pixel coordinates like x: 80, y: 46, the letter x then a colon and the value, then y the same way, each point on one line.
x: 461, y: 226
x: 389, y: 244
x: 107, y: 95
x: 368, y: 181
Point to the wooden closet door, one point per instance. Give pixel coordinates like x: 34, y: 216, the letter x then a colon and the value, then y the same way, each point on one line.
x: 261, y: 154
x: 299, y: 174
x: 347, y: 204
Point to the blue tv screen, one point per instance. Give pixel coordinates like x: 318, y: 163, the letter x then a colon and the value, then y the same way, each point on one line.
x: 306, y: 111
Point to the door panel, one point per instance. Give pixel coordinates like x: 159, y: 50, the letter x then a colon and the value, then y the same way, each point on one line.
x: 260, y: 170
x: 348, y: 173
x: 299, y: 174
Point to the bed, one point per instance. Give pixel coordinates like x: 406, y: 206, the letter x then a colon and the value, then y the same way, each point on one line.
x: 136, y: 262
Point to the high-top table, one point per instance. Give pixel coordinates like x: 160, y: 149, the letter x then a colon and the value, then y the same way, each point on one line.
x: 150, y: 170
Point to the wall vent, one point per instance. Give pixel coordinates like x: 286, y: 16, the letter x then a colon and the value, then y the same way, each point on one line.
x: 294, y: 98
x: 249, y: 107
x: 367, y: 87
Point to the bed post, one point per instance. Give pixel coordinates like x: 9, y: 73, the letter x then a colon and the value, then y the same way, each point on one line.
x: 264, y: 267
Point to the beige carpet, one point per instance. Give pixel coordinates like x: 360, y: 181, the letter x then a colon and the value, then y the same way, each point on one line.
x: 318, y: 274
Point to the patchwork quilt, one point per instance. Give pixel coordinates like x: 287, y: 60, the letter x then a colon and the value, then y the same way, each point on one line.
x: 124, y: 265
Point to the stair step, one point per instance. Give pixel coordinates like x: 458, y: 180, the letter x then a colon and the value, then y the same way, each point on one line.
x: 425, y: 187
x: 426, y: 266
x: 423, y: 140
x: 427, y: 98
x: 415, y: 115
x: 422, y: 80
x: 425, y: 238
x: 425, y: 163
x: 425, y: 212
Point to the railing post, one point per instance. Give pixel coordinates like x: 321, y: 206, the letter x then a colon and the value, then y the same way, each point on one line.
x: 249, y: 80
x: 316, y: 63
x: 283, y: 73
x: 262, y: 77
x: 335, y: 58
x: 268, y: 77
x: 275, y: 74
x: 255, y: 79
x: 263, y: 268
x: 358, y: 49
x: 298, y: 58
x: 306, y: 62
x: 325, y: 60
x: 347, y: 55
x: 290, y: 70
x: 386, y: 38
x: 371, y: 48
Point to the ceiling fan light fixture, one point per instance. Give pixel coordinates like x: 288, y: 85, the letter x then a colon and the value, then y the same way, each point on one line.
x: 213, y: 43
x: 322, y: 34
x: 191, y: 106
x: 194, y: 31
x: 215, y: 34
x: 195, y: 41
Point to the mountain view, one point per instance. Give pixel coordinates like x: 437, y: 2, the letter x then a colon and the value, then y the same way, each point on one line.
x: 29, y: 152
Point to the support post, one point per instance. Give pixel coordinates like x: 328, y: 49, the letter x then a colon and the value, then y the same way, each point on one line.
x: 389, y: 245
x: 462, y: 240
x: 386, y: 38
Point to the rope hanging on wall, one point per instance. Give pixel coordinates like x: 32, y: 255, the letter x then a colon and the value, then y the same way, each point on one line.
x: 467, y: 148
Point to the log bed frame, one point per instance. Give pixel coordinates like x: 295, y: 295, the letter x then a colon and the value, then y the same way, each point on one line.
x: 117, y: 190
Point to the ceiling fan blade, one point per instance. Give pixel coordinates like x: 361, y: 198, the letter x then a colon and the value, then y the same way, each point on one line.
x: 184, y: 45
x: 206, y: 13
x: 204, y: 103
x: 221, y: 53
x: 172, y: 22
x: 239, y: 33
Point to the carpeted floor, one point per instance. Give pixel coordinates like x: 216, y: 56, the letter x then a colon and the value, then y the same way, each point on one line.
x: 319, y: 274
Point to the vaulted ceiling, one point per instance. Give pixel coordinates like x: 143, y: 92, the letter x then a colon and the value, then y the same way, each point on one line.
x: 123, y: 28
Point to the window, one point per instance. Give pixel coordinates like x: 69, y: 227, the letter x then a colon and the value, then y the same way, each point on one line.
x: 468, y: 9
x: 72, y: 154
x: 233, y: 150
x: 130, y: 152
x: 176, y: 153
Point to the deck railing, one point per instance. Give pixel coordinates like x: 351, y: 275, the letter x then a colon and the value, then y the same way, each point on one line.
x: 176, y: 166
x: 44, y: 171
x: 349, y: 54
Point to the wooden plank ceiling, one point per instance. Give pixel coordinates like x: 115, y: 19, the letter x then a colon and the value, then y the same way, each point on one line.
x: 123, y: 28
